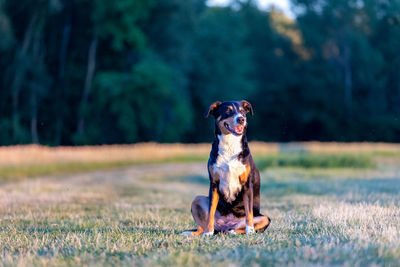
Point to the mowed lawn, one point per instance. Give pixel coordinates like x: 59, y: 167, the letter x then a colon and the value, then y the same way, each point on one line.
x: 134, y: 216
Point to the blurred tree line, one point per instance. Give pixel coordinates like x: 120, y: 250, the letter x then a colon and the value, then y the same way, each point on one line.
x: 92, y: 72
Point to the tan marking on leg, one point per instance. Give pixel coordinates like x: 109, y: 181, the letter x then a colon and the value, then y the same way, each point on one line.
x: 243, y: 177
x: 213, y: 207
x: 240, y: 230
x: 199, y: 231
x: 249, y: 219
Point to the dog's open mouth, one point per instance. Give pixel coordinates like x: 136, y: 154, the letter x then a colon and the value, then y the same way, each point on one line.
x: 237, y: 130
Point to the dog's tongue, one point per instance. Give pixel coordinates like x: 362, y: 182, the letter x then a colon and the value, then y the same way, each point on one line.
x: 238, y: 128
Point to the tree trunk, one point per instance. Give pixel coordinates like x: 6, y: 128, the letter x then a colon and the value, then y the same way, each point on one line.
x: 91, y: 66
x: 60, y: 87
x: 348, y: 84
x: 20, y: 71
x: 35, y: 86
x: 34, y: 130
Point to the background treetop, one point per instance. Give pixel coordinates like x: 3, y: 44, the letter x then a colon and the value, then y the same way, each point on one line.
x: 95, y: 72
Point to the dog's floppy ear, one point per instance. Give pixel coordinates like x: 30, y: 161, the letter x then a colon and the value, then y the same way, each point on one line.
x: 247, y: 106
x: 212, y: 109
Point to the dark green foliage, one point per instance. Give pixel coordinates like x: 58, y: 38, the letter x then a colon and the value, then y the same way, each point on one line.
x: 92, y: 72
x: 144, y: 103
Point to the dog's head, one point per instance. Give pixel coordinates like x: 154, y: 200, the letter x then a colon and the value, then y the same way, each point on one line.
x: 230, y: 116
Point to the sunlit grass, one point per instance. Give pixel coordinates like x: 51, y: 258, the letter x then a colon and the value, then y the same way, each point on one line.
x: 134, y: 216
x: 330, y: 209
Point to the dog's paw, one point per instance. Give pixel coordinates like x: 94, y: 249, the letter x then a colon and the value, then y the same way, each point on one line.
x: 208, y: 233
x: 187, y: 233
x: 232, y: 232
x: 250, y: 230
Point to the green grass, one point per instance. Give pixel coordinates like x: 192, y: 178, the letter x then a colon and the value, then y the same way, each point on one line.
x: 387, y: 154
x: 306, y: 160
x: 134, y: 216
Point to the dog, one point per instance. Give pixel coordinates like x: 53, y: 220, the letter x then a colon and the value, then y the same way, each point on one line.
x: 233, y: 202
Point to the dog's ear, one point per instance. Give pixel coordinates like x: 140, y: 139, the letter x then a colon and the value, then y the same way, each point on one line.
x: 247, y: 106
x: 212, y: 109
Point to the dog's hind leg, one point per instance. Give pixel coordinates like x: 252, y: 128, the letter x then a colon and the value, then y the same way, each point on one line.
x: 199, y: 211
x: 260, y: 223
x: 263, y: 225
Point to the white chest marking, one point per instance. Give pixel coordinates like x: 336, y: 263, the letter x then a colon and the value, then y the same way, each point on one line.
x: 228, y: 166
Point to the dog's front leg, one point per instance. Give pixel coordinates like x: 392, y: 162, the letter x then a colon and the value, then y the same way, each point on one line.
x: 248, y: 207
x: 214, y: 198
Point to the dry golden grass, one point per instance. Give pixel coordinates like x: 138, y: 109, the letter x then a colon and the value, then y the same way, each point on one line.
x: 37, y: 154
x: 143, y: 152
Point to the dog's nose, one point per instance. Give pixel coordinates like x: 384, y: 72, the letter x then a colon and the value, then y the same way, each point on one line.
x: 240, y: 120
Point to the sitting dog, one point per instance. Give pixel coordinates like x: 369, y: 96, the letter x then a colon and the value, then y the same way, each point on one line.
x: 233, y: 203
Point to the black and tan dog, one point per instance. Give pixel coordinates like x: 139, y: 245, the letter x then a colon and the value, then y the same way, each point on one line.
x: 233, y: 203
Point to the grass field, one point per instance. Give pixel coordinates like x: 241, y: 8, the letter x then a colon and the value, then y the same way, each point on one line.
x: 327, y: 208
